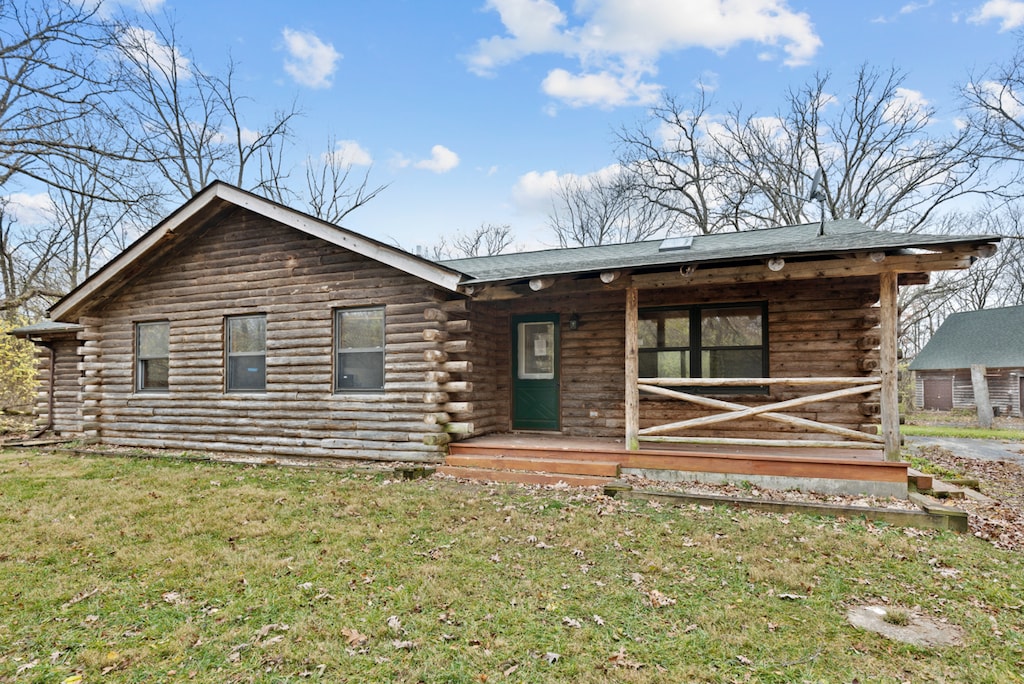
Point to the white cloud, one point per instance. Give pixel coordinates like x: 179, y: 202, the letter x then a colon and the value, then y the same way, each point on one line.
x: 602, y: 89
x: 912, y: 7
x: 999, y: 95
x: 1009, y: 12
x: 535, y: 191
x: 145, y: 48
x: 312, y: 62
x: 618, y: 43
x: 30, y: 210
x: 907, y: 102
x: 348, y: 153
x: 441, y: 160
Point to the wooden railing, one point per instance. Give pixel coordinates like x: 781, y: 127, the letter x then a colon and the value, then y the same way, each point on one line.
x: 773, y: 411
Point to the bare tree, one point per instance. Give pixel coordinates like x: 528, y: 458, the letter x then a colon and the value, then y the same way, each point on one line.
x: 674, y: 164
x: 993, y: 282
x: 605, y: 208
x: 189, y: 123
x: 50, y: 77
x: 27, y: 265
x: 333, y: 192
x: 489, y: 239
x: 881, y: 162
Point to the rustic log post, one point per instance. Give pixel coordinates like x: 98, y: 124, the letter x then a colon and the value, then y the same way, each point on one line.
x: 887, y: 360
x: 632, y: 369
x: 981, y: 397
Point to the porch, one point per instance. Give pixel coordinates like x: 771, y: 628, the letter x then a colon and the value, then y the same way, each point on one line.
x: 537, y: 458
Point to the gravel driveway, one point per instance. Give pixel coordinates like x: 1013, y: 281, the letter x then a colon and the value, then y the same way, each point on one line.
x: 986, y: 449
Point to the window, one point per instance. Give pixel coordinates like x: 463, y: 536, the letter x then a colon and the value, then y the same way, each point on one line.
x: 246, y: 353
x: 719, y: 341
x: 359, y: 349
x: 151, y: 354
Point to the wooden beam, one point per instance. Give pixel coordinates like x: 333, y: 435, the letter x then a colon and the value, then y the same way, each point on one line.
x: 538, y: 284
x: 778, y: 417
x: 750, y: 382
x: 707, y: 274
x: 747, y: 412
x: 887, y: 363
x: 632, y: 369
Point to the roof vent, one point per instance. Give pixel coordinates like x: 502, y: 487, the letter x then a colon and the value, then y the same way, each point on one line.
x: 675, y: 243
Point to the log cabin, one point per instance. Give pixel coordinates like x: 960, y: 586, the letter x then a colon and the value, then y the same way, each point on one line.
x: 240, y: 326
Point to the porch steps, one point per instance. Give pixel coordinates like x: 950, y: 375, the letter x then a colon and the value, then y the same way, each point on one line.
x: 530, y: 469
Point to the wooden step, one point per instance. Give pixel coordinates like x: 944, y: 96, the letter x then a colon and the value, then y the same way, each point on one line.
x: 535, y: 464
x: 564, y: 453
x: 921, y: 481
x: 523, y: 477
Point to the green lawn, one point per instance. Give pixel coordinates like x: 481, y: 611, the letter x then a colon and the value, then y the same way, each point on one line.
x: 962, y: 432
x: 123, y: 570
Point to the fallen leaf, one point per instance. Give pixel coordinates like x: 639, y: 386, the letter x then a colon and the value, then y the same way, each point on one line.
x: 792, y: 597
x: 552, y: 658
x: 659, y: 600
x: 598, y: 619
x: 745, y: 660
x: 620, y: 659
x: 394, y: 624
x: 404, y: 645
x: 353, y: 637
x: 572, y: 622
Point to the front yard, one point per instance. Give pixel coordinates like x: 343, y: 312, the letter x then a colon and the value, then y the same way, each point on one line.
x: 127, y: 570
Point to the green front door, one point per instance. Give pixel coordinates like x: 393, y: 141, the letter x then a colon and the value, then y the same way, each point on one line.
x: 535, y: 372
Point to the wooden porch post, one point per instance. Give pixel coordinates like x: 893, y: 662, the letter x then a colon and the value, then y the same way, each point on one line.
x: 632, y: 370
x: 890, y: 391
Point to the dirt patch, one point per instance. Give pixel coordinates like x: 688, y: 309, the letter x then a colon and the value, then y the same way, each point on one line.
x: 911, y: 628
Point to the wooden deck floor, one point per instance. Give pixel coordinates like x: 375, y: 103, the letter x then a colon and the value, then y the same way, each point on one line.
x: 863, y: 470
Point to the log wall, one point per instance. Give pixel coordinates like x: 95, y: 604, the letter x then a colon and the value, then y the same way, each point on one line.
x: 1004, y: 388
x: 246, y: 264
x: 67, y: 404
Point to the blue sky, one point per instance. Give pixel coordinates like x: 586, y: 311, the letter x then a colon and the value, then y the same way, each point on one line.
x: 471, y: 109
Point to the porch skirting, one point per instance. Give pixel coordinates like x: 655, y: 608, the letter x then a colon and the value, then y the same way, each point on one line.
x: 826, y: 471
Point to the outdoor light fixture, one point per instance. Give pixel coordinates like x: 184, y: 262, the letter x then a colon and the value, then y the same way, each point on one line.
x: 776, y: 263
x: 574, y: 321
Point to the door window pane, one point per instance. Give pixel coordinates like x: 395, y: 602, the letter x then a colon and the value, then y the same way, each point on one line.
x: 536, y: 350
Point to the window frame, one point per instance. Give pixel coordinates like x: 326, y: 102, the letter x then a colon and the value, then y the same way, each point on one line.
x: 229, y: 355
x: 338, y: 352
x: 141, y: 360
x: 695, y: 349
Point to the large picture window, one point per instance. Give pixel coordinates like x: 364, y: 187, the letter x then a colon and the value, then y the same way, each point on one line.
x: 712, y: 341
x: 151, y: 356
x: 359, y: 350
x: 246, y: 353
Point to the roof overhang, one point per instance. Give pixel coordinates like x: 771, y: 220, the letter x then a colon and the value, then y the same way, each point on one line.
x: 219, y: 196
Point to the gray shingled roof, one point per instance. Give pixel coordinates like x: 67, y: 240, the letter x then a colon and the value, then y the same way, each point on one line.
x: 45, y: 327
x: 840, y: 237
x: 992, y: 337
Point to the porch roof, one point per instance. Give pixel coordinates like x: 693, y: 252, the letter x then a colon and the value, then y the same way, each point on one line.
x: 840, y: 237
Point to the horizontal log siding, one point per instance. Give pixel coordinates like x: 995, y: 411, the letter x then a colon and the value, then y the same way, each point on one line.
x: 67, y: 400
x: 246, y: 264
x: 1003, y: 388
x: 815, y: 329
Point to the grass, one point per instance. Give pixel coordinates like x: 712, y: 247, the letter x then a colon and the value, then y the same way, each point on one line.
x: 962, y: 432
x: 126, y: 570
